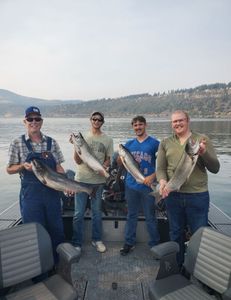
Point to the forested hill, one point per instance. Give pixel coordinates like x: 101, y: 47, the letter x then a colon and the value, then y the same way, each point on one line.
x: 212, y: 100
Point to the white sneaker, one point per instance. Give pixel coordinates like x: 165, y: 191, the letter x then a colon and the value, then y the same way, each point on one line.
x: 99, y: 245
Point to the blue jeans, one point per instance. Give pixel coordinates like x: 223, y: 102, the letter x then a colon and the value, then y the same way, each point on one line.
x: 186, y: 209
x: 136, y: 199
x: 78, y: 219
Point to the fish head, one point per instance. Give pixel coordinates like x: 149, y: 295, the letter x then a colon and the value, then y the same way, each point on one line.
x: 79, y: 139
x: 192, y: 147
x: 37, y: 167
x: 122, y: 151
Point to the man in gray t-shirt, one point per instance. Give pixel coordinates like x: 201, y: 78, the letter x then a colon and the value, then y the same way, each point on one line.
x: 102, y: 147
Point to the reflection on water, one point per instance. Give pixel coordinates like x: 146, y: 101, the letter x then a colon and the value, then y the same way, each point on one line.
x: 120, y: 129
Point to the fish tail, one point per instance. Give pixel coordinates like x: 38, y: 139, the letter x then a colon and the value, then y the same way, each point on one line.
x: 159, y: 201
x: 160, y: 205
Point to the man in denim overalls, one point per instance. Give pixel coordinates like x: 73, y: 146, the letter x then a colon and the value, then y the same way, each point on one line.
x: 38, y: 203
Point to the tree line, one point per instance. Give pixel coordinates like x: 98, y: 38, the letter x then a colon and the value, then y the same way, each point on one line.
x: 204, y: 101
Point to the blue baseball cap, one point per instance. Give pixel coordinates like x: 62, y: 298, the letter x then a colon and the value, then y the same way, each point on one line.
x: 32, y: 110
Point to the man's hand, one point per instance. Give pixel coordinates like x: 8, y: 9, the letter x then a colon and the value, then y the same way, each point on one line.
x: 163, y: 191
x: 27, y: 166
x: 202, y: 148
x: 149, y: 180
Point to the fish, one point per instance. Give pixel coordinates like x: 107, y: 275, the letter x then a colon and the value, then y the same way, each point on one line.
x: 184, y: 168
x: 57, y: 181
x: 86, y: 154
x: 131, y: 165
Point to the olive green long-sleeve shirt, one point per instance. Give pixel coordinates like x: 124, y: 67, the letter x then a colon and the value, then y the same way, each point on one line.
x: 169, y: 154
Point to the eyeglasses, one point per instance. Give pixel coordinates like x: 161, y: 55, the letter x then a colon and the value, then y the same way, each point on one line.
x: 96, y: 119
x: 34, y: 119
x: 179, y: 121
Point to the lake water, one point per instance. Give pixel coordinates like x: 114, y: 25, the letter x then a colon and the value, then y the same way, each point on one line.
x: 120, y: 129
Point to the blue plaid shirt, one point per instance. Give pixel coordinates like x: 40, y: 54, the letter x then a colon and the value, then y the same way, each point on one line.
x: 18, y: 150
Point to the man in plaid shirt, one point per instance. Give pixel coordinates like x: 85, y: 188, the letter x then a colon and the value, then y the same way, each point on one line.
x: 38, y: 203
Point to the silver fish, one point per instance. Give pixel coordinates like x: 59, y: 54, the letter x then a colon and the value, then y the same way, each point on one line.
x: 131, y: 165
x: 86, y: 154
x: 184, y: 168
x: 57, y: 181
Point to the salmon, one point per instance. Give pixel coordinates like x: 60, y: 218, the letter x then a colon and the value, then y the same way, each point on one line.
x: 57, y: 181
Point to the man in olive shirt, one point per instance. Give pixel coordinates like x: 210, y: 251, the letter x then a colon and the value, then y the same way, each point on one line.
x: 190, y: 205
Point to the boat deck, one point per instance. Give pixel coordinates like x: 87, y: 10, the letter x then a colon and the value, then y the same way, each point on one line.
x: 109, y: 275
x: 112, y: 276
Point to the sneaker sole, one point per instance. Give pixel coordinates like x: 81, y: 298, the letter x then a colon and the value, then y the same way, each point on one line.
x: 101, y: 251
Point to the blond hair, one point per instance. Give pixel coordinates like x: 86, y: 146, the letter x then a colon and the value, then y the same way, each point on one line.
x: 182, y: 112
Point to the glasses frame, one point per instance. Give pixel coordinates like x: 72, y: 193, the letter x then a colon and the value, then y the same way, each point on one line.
x: 97, y: 119
x: 179, y: 121
x: 36, y: 119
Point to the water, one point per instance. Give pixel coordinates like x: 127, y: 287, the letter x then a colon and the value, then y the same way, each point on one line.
x: 120, y: 129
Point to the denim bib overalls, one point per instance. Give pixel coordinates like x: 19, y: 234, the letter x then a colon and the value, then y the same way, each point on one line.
x: 39, y: 203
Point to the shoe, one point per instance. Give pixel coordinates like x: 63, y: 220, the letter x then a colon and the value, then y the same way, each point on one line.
x: 99, y: 245
x: 126, y: 249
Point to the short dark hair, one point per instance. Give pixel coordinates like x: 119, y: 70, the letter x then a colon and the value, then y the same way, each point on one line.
x: 138, y: 119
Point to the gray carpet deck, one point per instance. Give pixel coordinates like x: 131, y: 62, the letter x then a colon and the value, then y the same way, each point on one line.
x: 112, y: 276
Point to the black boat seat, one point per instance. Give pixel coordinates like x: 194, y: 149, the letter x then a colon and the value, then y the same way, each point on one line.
x: 207, y: 265
x: 26, y: 252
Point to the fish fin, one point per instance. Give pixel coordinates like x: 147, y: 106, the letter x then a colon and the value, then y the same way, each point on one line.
x: 80, y: 135
x: 159, y: 201
x: 156, y: 195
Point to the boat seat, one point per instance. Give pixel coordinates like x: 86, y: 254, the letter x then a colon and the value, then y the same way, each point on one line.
x: 207, y: 268
x: 25, y: 254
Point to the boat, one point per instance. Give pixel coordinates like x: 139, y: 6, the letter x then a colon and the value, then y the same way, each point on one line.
x: 109, y: 275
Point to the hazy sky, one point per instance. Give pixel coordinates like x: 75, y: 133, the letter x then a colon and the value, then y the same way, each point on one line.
x: 89, y: 49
